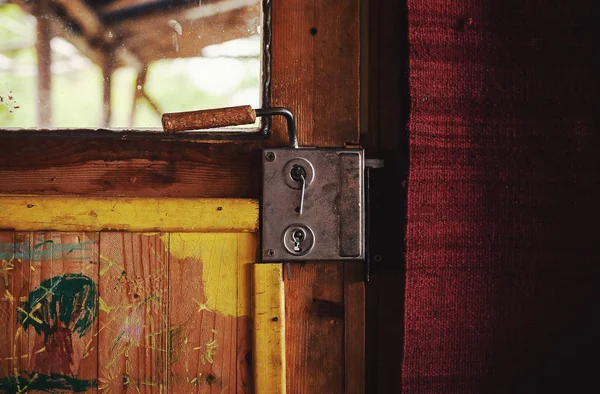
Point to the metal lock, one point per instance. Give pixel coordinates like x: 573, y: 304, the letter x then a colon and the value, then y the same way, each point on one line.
x: 313, y: 206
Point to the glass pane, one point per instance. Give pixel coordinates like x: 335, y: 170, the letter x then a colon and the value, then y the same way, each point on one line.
x: 122, y: 63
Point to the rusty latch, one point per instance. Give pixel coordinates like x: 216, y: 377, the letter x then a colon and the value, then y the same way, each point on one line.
x: 313, y: 205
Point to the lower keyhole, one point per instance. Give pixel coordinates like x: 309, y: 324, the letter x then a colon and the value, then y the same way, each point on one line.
x: 298, y: 236
x: 298, y: 240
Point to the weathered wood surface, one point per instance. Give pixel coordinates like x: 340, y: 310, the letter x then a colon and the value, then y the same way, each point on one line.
x: 315, y: 71
x: 134, y: 313
x: 65, y: 267
x: 49, y: 312
x: 110, y: 168
x: 315, y: 74
x: 149, y: 312
x: 354, y: 328
x: 269, y: 329
x: 139, y: 214
x: 209, y: 317
x: 14, y: 285
x: 314, y: 334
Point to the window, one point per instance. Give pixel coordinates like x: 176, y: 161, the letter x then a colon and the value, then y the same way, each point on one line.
x: 120, y: 64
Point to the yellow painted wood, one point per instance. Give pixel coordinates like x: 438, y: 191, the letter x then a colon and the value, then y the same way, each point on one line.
x: 128, y: 214
x: 269, y: 329
x: 225, y: 258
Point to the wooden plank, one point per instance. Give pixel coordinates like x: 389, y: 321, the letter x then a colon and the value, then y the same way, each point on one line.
x: 269, y: 329
x: 61, y: 311
x: 140, y: 214
x: 134, y: 329
x: 14, y: 286
x: 354, y: 327
x: 315, y: 71
x: 315, y: 328
x: 109, y: 168
x: 315, y: 74
x: 247, y: 253
x: 209, y: 325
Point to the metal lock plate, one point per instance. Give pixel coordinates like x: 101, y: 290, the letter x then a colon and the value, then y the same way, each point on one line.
x: 329, y: 223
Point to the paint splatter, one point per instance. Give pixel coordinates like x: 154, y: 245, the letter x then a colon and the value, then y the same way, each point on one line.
x: 67, y: 300
x: 45, y: 383
x: 59, y: 307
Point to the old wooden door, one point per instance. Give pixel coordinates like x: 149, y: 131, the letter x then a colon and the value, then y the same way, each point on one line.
x: 314, y: 71
x: 128, y: 310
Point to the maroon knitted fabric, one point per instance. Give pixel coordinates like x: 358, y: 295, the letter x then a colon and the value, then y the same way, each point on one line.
x: 503, y: 237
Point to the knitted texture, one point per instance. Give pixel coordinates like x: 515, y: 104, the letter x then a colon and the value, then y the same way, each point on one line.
x: 503, y: 229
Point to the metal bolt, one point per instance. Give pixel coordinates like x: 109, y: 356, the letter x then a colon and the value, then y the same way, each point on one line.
x: 377, y: 258
x: 270, y: 156
x: 270, y: 252
x: 275, y: 318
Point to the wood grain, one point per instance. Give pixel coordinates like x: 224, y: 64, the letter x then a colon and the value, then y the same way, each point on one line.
x: 315, y: 74
x: 269, y: 329
x: 247, y: 250
x: 354, y: 328
x: 14, y: 285
x: 110, y: 168
x: 133, y: 313
x: 315, y: 71
x: 209, y: 312
x: 135, y: 215
x: 314, y: 335
x: 53, y: 257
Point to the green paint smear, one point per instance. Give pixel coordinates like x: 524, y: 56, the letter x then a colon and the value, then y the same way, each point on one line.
x: 46, y: 383
x: 70, y: 299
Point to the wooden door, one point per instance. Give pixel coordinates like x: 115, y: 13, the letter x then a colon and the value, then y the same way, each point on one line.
x: 100, y: 303
x: 314, y: 71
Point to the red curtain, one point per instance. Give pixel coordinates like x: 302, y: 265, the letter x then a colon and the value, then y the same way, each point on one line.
x: 503, y: 233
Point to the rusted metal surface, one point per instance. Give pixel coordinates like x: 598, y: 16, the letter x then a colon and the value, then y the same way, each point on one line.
x: 330, y: 225
x: 208, y: 119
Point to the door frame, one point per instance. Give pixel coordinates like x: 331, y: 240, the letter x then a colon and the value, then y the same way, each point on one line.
x: 314, y: 73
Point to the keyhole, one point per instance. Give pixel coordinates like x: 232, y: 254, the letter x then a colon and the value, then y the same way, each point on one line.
x: 298, y: 236
x: 298, y: 239
x: 298, y: 173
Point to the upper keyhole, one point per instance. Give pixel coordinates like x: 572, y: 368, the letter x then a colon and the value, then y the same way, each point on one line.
x: 298, y: 173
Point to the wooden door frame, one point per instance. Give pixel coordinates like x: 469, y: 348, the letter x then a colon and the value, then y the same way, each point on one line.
x: 314, y: 73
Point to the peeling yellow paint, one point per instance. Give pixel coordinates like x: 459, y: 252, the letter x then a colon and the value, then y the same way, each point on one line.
x: 269, y: 329
x: 224, y: 258
x: 8, y: 297
x: 103, y: 306
x: 129, y: 214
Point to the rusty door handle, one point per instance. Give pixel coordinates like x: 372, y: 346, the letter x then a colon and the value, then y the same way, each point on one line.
x: 223, y: 117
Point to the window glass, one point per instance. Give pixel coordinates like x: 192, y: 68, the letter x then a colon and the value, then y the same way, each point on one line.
x: 122, y: 63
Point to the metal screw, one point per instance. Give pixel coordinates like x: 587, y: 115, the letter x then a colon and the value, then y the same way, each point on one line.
x: 275, y: 318
x: 377, y: 258
x: 270, y: 156
x: 270, y: 252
